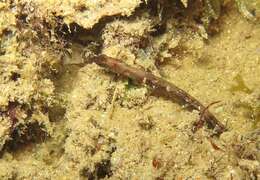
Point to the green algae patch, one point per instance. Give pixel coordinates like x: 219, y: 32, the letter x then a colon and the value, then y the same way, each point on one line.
x: 240, y: 85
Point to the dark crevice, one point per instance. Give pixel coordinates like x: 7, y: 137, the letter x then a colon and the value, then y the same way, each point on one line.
x: 24, y: 136
x: 102, y: 170
x: 15, y: 76
x: 21, y: 135
x: 5, y: 36
x: 159, y: 29
x: 84, y: 36
x: 2, y: 51
x: 78, y: 34
x: 56, y: 113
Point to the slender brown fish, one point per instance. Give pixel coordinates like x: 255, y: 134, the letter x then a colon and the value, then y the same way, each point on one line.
x: 160, y: 87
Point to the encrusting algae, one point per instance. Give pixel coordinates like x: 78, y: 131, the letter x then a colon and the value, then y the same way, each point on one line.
x: 64, y: 116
